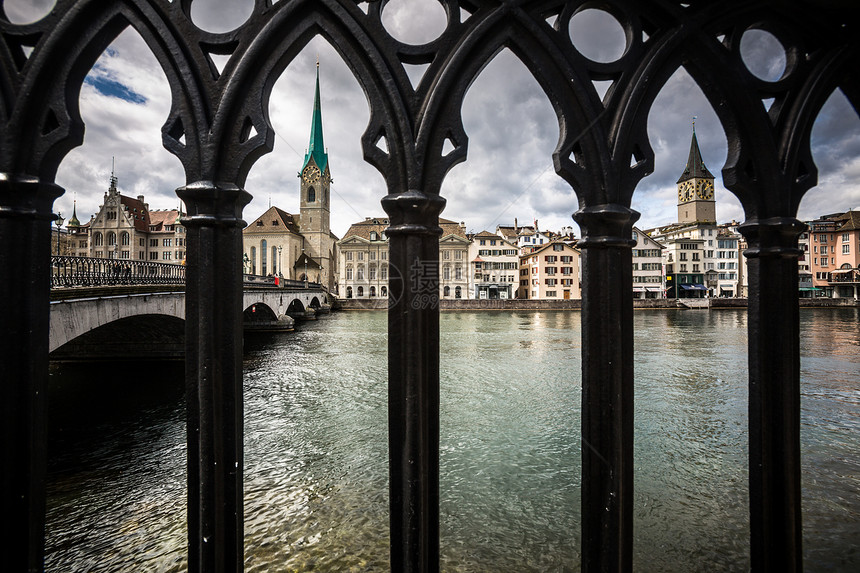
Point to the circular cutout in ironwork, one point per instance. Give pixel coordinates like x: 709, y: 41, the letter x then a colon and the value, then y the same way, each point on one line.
x: 597, y: 35
x: 414, y: 22
x: 219, y: 16
x: 763, y: 55
x: 26, y: 11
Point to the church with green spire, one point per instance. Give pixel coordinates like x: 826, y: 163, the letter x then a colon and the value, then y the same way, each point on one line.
x: 315, y: 203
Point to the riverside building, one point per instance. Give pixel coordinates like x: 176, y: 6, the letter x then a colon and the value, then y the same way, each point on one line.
x: 494, y: 266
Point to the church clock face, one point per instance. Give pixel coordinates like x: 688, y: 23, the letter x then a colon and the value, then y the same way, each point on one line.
x: 311, y: 174
x: 685, y: 193
x: 705, y: 189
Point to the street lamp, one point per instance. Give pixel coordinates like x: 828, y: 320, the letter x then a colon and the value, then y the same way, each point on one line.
x: 59, y: 221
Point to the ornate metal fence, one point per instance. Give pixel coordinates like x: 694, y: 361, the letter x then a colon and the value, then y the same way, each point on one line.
x: 87, y: 271
x: 603, y: 152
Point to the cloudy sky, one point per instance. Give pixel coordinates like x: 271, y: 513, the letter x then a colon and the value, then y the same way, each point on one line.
x: 510, y: 123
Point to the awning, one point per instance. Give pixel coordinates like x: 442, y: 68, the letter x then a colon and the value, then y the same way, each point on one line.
x: 638, y: 289
x: 698, y: 287
x: 841, y: 271
x: 686, y: 287
x: 808, y: 288
x: 653, y: 289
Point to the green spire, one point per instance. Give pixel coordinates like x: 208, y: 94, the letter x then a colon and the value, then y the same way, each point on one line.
x: 73, y: 222
x: 316, y: 147
x: 695, y: 164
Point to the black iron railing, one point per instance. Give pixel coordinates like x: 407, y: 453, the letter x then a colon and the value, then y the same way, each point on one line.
x: 93, y: 272
x: 219, y: 126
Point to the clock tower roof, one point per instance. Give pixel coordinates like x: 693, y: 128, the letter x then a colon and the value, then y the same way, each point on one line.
x: 695, y: 168
x: 316, y: 146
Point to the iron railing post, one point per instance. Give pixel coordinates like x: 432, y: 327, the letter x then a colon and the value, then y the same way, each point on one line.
x: 25, y: 259
x: 213, y: 373
x: 607, y: 387
x: 413, y: 380
x: 774, y: 394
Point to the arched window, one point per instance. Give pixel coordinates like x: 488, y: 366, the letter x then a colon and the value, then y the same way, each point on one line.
x: 360, y: 292
x: 373, y: 236
x: 98, y: 240
x: 383, y: 291
x: 312, y: 195
x: 447, y: 291
x: 348, y: 292
x: 263, y: 265
x: 372, y: 291
x: 111, y: 239
x: 124, y: 238
x: 275, y: 261
x: 253, y: 260
x: 458, y: 292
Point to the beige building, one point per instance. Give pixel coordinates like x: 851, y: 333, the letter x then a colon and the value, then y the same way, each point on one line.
x: 363, y: 264
x: 551, y: 272
x: 125, y: 228
x: 363, y: 260
x: 272, y: 245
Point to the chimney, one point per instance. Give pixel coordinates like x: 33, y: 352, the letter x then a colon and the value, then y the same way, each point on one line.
x: 516, y: 227
x: 140, y: 198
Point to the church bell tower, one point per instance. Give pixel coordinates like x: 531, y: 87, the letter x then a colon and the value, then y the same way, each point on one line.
x: 315, y: 210
x: 696, y: 189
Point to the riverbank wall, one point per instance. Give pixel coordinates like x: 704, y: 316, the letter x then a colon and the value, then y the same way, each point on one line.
x: 643, y: 304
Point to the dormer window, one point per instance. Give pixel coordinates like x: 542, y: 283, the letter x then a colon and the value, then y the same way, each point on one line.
x: 275, y: 223
x: 259, y: 223
x: 374, y: 236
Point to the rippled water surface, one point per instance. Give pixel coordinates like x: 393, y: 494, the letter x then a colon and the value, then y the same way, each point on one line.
x: 316, y: 453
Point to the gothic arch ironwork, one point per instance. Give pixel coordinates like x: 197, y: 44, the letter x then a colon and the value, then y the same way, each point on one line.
x: 603, y: 152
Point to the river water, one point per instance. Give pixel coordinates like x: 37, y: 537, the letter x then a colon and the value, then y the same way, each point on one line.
x: 316, y: 448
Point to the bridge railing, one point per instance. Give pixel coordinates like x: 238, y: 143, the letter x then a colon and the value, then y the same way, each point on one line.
x: 89, y: 272
x: 270, y: 281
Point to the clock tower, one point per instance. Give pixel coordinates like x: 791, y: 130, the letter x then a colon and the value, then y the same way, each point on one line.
x: 315, y: 210
x: 696, y: 189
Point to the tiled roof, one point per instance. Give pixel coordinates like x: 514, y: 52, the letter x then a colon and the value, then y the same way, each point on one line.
x: 274, y: 220
x: 852, y: 221
x: 364, y: 228
x: 452, y: 228
x: 138, y: 212
x: 158, y: 220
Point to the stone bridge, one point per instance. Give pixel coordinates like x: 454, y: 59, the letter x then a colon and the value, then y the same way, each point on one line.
x: 113, y: 323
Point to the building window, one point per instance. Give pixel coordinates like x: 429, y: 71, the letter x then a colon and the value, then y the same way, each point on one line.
x: 846, y: 249
x: 446, y: 255
x: 125, y: 239
x: 166, y: 243
x: 384, y: 272
x: 371, y: 256
x: 349, y: 255
x: 551, y: 293
x: 359, y: 273
x: 458, y: 274
x: 371, y: 272
x: 253, y: 260
x: 360, y: 291
x: 165, y: 256
x: 458, y: 292
x: 349, y: 273
x: 312, y: 195
x: 458, y: 255
x: 373, y: 236
x: 383, y: 291
x: 557, y: 247
x: 263, y: 254
x: 372, y: 291
x: 153, y: 256
x: 446, y: 273
x: 446, y: 292
x: 360, y: 255
x: 111, y: 239
x: 349, y: 292
x: 124, y: 255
